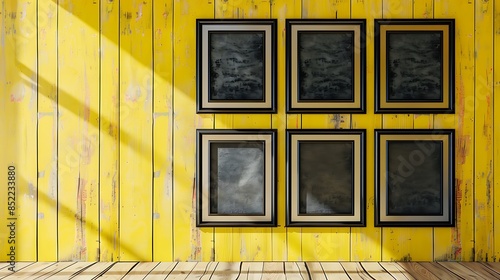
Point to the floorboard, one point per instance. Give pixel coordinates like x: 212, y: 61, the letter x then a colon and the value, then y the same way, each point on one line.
x: 334, y: 270
x: 161, y: 271
x: 481, y: 270
x: 118, y: 270
x: 30, y: 270
x: 460, y: 270
x: 376, y: 271
x: 439, y: 272
x: 396, y: 271
x: 226, y: 271
x: 93, y: 270
x: 312, y: 270
x: 273, y: 271
x: 355, y: 271
x: 70, y: 271
x: 4, y: 272
x: 140, y: 270
x: 417, y: 271
x: 251, y: 271
x: 493, y: 266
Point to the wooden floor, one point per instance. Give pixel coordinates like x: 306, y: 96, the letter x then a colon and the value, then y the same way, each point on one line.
x: 251, y: 270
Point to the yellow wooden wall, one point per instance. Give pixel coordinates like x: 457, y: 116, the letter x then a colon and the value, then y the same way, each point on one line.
x: 97, y: 111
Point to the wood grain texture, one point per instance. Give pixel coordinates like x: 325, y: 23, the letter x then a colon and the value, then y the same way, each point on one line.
x: 47, y: 131
x: 162, y: 130
x: 98, y: 114
x: 396, y: 271
x: 109, y: 171
x: 161, y: 271
x: 496, y: 131
x: 78, y: 131
x: 18, y: 103
x: 438, y: 270
x: 417, y: 271
x: 457, y: 243
x: 483, y: 131
x: 136, y: 124
x: 460, y: 270
x: 334, y: 270
x: 71, y: 270
x: 355, y: 271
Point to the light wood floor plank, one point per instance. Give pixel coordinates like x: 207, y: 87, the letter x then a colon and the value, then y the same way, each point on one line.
x: 51, y: 270
x: 439, y: 271
x: 227, y: 271
x: 198, y: 271
x: 4, y: 272
x: 71, y: 270
x: 355, y: 271
x: 141, y: 270
x: 376, y: 271
x: 251, y: 271
x: 29, y: 270
x: 481, y: 270
x: 460, y: 270
x: 181, y: 271
x: 94, y: 270
x: 417, y: 271
x: 315, y: 270
x: 209, y: 270
x: 292, y: 271
x: 334, y: 270
x: 303, y: 270
x: 118, y: 270
x: 161, y: 271
x: 493, y: 265
x: 273, y: 271
x: 396, y: 271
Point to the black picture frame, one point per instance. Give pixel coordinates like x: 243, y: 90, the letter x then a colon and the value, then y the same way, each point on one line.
x: 326, y: 65
x: 326, y: 178
x: 236, y: 65
x: 415, y: 177
x: 236, y: 177
x: 415, y: 66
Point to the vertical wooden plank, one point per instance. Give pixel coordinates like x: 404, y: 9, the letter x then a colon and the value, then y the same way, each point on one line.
x: 458, y: 243
x: 162, y: 130
x: 423, y: 9
x: 397, y: 8
x: 109, y: 132
x: 326, y: 9
x: 248, y: 244
x: 78, y: 128
x: 281, y: 10
x: 366, y: 241
x: 403, y: 244
x: 483, y: 131
x: 136, y: 121
x: 47, y: 132
x: 18, y: 103
x: 190, y: 243
x: 496, y: 130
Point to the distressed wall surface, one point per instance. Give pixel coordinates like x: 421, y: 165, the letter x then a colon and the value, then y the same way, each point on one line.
x: 97, y: 110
